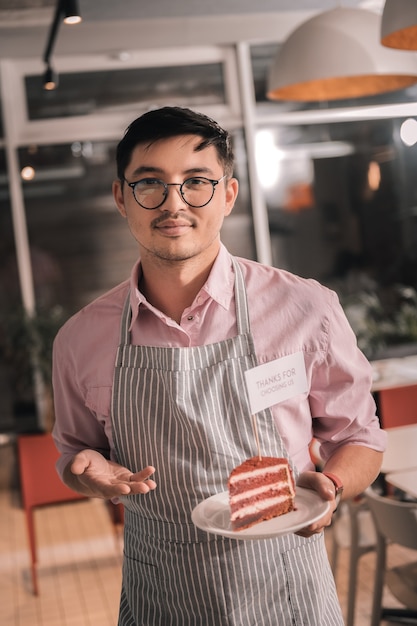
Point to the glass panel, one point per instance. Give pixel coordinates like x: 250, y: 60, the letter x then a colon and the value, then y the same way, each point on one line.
x: 80, y: 244
x: 1, y: 118
x: 85, y: 93
x: 342, y: 209
x: 7, y: 248
x: 237, y: 233
x: 9, y: 303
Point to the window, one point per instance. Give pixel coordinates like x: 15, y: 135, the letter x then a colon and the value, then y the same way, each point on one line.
x: 80, y: 245
x: 85, y: 93
x: 341, y: 199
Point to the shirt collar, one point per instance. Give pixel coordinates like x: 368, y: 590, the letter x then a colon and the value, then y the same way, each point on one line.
x: 221, y: 280
x: 219, y: 285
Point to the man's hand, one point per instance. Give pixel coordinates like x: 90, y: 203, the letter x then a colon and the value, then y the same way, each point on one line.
x: 92, y: 475
x: 325, y: 489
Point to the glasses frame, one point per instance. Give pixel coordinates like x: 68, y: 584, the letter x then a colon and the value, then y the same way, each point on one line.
x: 166, y: 186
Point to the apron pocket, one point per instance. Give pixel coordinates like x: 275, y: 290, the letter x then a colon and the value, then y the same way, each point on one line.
x: 312, y: 592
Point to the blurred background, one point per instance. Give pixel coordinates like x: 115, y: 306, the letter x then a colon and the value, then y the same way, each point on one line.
x: 328, y: 190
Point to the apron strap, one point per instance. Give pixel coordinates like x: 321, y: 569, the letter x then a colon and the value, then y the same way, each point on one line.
x: 242, y: 309
x: 125, y: 322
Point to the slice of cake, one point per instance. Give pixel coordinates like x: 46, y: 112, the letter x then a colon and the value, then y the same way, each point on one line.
x: 260, y: 489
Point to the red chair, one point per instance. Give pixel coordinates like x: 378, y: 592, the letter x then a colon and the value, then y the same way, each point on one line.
x: 398, y: 406
x: 41, y: 486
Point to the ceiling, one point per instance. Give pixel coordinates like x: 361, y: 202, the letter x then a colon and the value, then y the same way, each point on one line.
x: 109, y: 26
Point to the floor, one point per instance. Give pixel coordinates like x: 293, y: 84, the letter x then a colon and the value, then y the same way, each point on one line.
x: 79, y: 569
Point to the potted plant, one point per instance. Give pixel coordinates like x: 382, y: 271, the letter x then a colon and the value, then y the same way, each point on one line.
x: 26, y: 350
x: 384, y: 320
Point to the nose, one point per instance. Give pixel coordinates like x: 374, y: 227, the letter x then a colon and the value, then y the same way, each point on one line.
x: 174, y: 201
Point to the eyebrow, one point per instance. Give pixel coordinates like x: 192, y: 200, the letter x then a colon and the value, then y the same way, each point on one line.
x: 147, y: 169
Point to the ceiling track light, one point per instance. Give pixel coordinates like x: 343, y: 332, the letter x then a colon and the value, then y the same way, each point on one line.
x: 71, y: 11
x: 68, y: 12
x: 50, y: 79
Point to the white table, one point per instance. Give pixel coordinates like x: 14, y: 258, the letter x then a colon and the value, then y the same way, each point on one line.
x: 392, y: 373
x: 401, y: 452
x: 406, y: 481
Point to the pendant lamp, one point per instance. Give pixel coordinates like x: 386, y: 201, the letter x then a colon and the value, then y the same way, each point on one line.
x: 338, y: 55
x: 399, y: 24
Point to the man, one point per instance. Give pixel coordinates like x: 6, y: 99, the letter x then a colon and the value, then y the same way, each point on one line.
x: 151, y: 378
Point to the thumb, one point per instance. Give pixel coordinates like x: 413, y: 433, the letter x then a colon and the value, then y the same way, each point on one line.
x: 80, y: 464
x: 318, y: 482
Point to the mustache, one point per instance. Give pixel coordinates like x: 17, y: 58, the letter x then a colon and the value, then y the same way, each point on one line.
x: 165, y: 217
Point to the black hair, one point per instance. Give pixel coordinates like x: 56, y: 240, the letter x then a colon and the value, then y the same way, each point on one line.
x: 169, y: 122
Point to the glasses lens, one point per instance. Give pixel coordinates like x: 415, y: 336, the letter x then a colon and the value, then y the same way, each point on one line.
x: 197, y: 192
x: 150, y: 193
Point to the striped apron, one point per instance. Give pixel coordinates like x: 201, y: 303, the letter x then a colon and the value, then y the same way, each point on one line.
x: 186, y: 411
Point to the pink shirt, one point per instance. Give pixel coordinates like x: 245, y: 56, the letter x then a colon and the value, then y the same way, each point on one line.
x: 287, y: 314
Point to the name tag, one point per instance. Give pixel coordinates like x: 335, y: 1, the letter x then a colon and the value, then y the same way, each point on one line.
x: 276, y: 381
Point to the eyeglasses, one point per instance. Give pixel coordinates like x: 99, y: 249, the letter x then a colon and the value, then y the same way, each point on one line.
x: 151, y: 193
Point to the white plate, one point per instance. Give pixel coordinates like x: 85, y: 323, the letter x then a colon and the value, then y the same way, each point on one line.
x: 213, y: 516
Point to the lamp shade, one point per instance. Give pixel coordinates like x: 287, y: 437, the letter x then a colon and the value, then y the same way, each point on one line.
x: 337, y: 55
x: 399, y: 24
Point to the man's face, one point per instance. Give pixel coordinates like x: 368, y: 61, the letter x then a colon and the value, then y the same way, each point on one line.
x: 176, y: 231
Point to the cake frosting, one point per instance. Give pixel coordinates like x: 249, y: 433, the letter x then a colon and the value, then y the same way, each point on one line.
x: 259, y: 489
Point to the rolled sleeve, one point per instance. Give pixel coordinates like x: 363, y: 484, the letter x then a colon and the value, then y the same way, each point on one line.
x: 341, y: 402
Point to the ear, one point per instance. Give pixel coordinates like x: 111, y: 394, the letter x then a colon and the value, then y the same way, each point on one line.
x: 118, y: 196
x: 232, y: 188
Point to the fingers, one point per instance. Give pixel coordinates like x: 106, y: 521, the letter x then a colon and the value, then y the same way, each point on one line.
x: 141, y: 481
x: 325, y: 489
x: 142, y: 487
x: 316, y: 528
x: 98, y: 477
x: 144, y: 474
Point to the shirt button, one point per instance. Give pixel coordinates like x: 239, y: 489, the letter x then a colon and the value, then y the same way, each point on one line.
x: 190, y: 318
